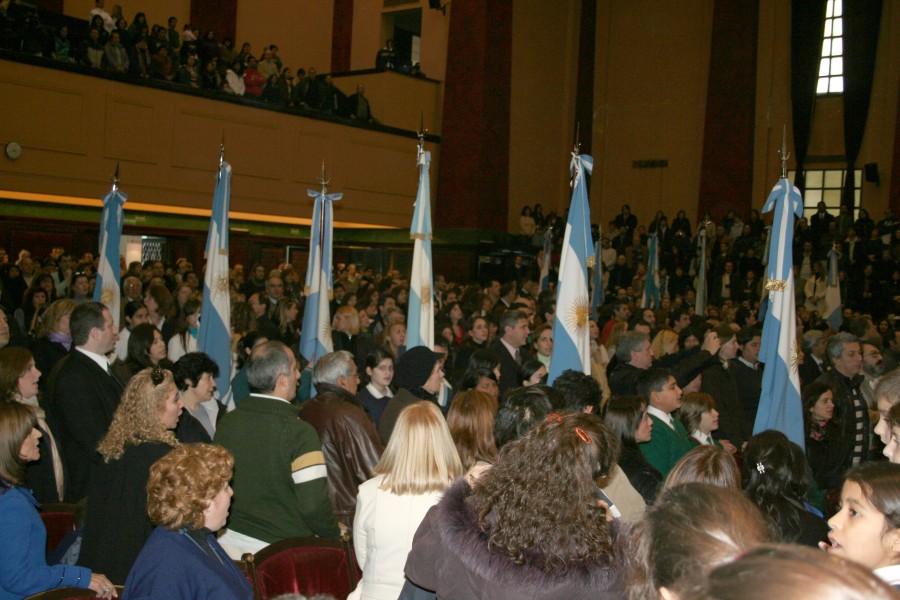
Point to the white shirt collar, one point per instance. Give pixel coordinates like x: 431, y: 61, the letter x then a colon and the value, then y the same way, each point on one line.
x: 748, y: 363
x: 662, y: 416
x: 258, y: 395
x: 101, y: 360
x: 376, y: 394
x: 512, y: 350
x: 702, y: 437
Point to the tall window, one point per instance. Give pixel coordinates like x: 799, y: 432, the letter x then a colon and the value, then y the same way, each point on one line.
x: 827, y: 185
x: 831, y: 68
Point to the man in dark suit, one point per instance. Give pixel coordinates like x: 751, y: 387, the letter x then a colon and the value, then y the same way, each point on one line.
x: 511, y: 348
x: 83, y: 394
x: 747, y: 371
x: 814, y: 364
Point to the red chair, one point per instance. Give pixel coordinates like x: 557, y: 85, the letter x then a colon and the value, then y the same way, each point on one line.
x: 303, y: 566
x: 68, y: 593
x: 59, y: 519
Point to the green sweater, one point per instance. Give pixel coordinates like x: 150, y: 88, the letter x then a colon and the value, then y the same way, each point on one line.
x: 666, y: 447
x: 280, y: 481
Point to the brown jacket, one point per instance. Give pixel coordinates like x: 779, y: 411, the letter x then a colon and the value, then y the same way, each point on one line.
x: 350, y: 444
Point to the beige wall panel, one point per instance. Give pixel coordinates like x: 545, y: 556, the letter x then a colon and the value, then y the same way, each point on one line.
x: 300, y: 28
x: 128, y: 129
x: 650, y: 94
x: 157, y: 11
x: 25, y: 104
x: 168, y: 145
x: 542, y: 105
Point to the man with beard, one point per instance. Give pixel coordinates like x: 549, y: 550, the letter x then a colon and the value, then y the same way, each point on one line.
x: 873, y: 370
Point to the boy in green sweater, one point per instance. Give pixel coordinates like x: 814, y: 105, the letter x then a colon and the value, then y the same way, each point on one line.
x: 669, y: 441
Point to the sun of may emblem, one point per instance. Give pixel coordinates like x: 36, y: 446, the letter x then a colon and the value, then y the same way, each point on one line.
x: 578, y: 312
x: 221, y: 283
x: 107, y: 295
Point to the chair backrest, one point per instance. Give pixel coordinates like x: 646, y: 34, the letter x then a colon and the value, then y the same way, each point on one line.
x: 68, y: 593
x: 59, y: 519
x: 306, y: 566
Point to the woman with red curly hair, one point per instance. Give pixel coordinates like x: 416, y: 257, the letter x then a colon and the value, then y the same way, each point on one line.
x: 188, y: 497
x: 530, y: 527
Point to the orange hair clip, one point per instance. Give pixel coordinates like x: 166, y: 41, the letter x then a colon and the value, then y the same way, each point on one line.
x: 583, y: 435
x: 554, y: 418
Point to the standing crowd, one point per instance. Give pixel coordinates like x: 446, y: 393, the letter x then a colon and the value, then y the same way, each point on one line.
x: 457, y: 471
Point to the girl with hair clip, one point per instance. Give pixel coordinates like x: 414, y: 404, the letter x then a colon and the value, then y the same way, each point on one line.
x: 788, y: 571
x: 866, y: 530
x: 471, y: 423
x: 116, y: 524
x: 377, y: 392
x: 418, y: 464
x: 777, y: 480
x: 23, y: 538
x: 531, y: 527
x: 691, y: 528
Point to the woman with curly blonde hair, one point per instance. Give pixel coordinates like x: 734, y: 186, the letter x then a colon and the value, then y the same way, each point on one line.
x: 116, y: 524
x: 188, y: 497
x: 532, y: 526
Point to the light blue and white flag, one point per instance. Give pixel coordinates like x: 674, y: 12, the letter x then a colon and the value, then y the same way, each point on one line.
x: 571, y: 339
x: 214, y: 337
x: 650, y: 299
x: 546, y: 257
x: 107, y: 288
x: 834, y: 310
x: 420, y: 319
x: 597, y: 279
x: 779, y: 402
x: 315, y: 339
x: 700, y: 300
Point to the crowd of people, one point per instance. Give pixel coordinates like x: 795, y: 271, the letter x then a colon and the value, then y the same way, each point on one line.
x: 140, y: 49
x: 457, y: 470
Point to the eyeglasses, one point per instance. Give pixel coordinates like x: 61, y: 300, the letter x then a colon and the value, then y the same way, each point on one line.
x: 157, y: 376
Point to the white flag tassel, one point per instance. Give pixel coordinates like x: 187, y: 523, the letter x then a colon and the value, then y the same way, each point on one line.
x: 107, y: 288
x: 571, y: 340
x: 420, y: 320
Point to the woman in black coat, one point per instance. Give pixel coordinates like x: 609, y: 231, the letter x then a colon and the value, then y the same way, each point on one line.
x: 627, y: 417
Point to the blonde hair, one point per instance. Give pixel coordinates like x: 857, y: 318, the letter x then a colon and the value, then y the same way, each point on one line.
x: 137, y: 418
x: 354, y: 317
x: 613, y: 340
x: 183, y: 482
x: 420, y: 456
x: 663, y: 339
x: 51, y: 317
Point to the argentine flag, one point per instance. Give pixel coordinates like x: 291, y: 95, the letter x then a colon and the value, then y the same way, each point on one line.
x: 571, y: 340
x: 420, y: 320
x: 650, y: 298
x: 107, y: 288
x: 214, y: 337
x: 315, y: 339
x: 834, y: 313
x: 779, y: 402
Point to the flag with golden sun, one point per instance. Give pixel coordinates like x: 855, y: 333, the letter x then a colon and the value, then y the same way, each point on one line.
x: 571, y: 342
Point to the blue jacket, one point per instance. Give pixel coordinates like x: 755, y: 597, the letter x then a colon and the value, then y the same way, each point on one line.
x: 23, y: 544
x: 172, y: 566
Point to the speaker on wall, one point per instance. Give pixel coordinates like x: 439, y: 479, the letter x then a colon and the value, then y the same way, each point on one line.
x: 871, y: 173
